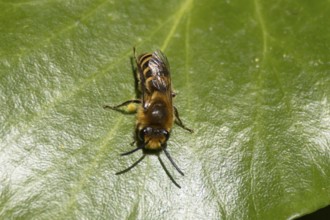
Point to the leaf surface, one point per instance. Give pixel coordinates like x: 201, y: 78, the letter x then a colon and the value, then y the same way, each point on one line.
x: 252, y: 79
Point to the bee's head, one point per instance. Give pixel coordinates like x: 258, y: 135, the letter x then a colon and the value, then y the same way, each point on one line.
x: 153, y: 138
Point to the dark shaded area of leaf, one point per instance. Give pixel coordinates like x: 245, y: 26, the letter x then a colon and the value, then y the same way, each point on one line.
x: 322, y: 214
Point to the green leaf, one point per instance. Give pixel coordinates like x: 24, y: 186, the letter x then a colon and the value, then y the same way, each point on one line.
x: 252, y: 79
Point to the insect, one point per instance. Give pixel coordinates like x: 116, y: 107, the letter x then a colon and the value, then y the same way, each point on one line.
x: 156, y: 113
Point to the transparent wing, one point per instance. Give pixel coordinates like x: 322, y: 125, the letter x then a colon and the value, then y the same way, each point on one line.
x: 159, y: 63
x: 160, y: 69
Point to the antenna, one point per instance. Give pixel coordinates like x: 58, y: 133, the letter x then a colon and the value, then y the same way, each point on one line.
x: 168, y: 173
x: 170, y: 158
x: 132, y: 151
x: 132, y: 166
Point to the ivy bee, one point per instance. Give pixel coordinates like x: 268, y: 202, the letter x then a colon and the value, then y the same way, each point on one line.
x: 156, y: 113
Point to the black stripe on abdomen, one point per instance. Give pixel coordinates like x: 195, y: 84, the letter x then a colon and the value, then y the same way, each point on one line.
x: 143, y: 62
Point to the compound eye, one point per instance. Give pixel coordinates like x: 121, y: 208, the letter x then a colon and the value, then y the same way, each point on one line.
x: 141, y: 135
x: 166, y: 134
x: 143, y: 132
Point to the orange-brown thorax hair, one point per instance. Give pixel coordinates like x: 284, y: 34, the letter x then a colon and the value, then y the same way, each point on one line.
x: 158, y: 115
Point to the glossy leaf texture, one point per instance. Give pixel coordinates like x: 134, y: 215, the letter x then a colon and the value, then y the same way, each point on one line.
x: 252, y: 79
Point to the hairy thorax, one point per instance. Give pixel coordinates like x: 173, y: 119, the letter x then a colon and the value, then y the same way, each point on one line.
x: 158, y: 114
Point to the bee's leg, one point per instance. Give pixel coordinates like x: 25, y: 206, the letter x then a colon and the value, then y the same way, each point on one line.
x: 135, y: 75
x: 179, y: 122
x: 138, y: 101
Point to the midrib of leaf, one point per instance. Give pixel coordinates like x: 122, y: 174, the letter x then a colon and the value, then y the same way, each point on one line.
x: 259, y: 100
x: 177, y: 18
x: 263, y: 29
x: 187, y: 54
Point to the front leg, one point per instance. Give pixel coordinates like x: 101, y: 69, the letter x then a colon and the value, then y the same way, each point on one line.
x: 138, y: 101
x: 179, y: 122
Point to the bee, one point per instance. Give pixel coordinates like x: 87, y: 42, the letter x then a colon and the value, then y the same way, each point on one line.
x: 156, y: 113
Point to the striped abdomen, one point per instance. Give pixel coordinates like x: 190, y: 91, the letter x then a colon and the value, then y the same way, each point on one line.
x: 143, y: 62
x: 154, y: 72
